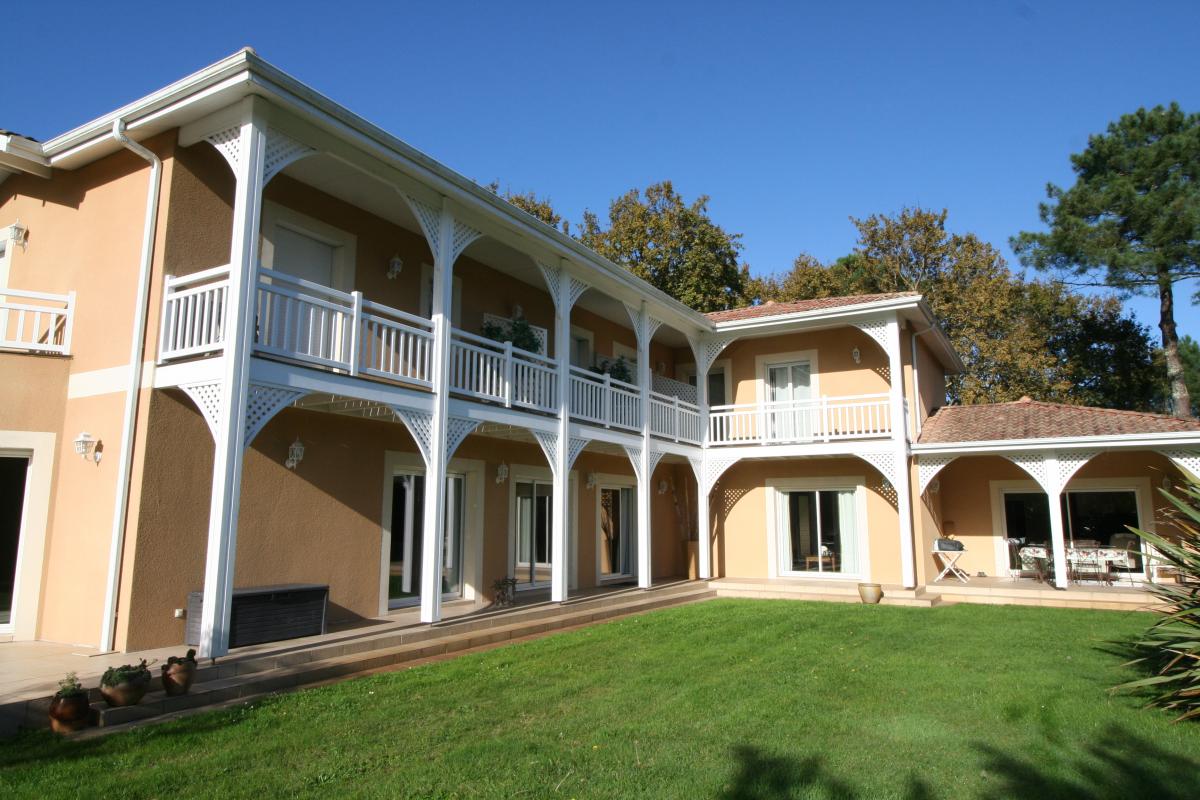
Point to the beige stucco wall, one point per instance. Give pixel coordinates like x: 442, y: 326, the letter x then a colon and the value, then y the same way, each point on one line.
x: 740, y: 507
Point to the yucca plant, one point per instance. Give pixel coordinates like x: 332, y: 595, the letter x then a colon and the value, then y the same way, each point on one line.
x: 1172, y: 644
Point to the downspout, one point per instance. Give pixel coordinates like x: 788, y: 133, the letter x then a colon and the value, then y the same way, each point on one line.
x: 136, y: 349
x: 917, y: 411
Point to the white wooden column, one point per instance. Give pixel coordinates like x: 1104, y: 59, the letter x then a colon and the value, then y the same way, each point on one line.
x: 703, y: 539
x: 434, y: 509
x: 560, y: 519
x: 903, y: 478
x: 644, y: 328
x: 244, y: 147
x: 1054, y: 486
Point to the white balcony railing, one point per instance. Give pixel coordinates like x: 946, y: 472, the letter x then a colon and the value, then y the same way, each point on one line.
x: 819, y: 420
x: 674, y: 418
x: 489, y: 370
x: 193, y: 321
x: 37, y: 322
x: 604, y: 400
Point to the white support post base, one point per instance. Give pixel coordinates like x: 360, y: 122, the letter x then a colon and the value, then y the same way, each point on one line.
x: 1058, y: 539
x: 703, y: 535
x: 901, y: 479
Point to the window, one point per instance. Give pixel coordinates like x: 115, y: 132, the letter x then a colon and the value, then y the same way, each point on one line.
x: 618, y: 532
x: 581, y: 348
x: 307, y: 248
x: 532, y: 562
x: 404, y: 575
x: 789, y: 416
x: 1099, y: 518
x: 819, y: 531
x: 716, y: 385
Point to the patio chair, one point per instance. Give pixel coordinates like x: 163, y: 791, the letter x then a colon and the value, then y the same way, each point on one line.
x: 1014, y: 557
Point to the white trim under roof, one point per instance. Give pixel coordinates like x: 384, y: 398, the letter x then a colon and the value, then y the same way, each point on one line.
x: 1125, y: 441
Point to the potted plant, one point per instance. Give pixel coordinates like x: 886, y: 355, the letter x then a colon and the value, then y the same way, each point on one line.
x: 69, y: 710
x: 178, y: 674
x: 125, y: 685
x: 870, y: 593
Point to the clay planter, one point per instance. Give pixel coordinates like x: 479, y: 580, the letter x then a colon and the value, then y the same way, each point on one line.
x: 126, y: 693
x: 871, y: 593
x: 177, y: 678
x: 70, y: 713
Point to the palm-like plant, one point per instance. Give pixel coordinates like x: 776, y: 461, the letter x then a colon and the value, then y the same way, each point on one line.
x: 1172, y: 644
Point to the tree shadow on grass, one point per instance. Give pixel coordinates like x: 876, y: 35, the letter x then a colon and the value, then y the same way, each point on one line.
x: 1117, y: 766
x: 766, y: 777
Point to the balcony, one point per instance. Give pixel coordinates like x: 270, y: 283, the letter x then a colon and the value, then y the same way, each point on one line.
x: 323, y: 327
x: 824, y: 419
x: 36, y: 322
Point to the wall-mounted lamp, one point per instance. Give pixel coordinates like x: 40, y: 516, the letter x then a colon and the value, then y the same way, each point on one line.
x: 395, y: 265
x: 856, y: 354
x: 18, y: 233
x: 591, y: 480
x: 87, y: 447
x: 295, y: 454
x: 663, y: 486
x: 935, y: 486
x: 501, y: 473
x: 518, y: 312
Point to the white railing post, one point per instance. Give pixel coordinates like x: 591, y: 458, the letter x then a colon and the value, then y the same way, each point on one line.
x: 69, y: 325
x: 675, y: 402
x: 165, y: 326
x: 508, y: 374
x: 824, y: 413
x: 355, y: 328
x: 606, y: 402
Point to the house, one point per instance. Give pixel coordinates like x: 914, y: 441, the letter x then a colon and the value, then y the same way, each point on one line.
x: 242, y: 343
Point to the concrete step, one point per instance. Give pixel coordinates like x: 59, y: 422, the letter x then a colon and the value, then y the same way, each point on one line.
x: 836, y: 591
x: 258, y: 676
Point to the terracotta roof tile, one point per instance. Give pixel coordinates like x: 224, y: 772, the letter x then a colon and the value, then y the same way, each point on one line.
x: 1030, y: 419
x: 771, y: 309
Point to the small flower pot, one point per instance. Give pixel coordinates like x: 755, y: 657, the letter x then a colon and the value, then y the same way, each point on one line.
x: 70, y: 713
x: 127, y: 693
x: 870, y: 593
x: 177, y: 678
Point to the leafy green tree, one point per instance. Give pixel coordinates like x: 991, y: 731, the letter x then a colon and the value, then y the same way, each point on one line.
x: 671, y: 244
x: 1189, y: 354
x: 538, y: 207
x: 1132, y: 219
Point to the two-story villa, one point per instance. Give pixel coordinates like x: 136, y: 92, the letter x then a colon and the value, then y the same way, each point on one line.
x: 248, y: 338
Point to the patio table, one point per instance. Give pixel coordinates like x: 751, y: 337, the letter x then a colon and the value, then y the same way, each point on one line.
x: 1079, y: 556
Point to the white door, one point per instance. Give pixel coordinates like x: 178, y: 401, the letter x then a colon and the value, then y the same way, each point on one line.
x: 788, y: 413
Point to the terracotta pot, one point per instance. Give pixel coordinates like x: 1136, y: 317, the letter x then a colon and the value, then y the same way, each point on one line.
x: 870, y: 593
x: 177, y: 678
x: 129, y: 693
x: 70, y: 713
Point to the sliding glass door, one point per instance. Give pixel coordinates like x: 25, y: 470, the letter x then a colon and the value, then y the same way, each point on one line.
x: 1094, y: 520
x: 408, y: 504
x: 533, y: 519
x: 618, y: 532
x: 818, y: 532
x: 788, y: 416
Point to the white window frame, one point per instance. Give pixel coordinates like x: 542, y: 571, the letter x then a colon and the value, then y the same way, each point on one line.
x: 529, y: 472
x: 39, y: 449
x: 608, y: 481
x: 583, y: 333
x: 685, y: 372
x: 473, y: 471
x: 344, y: 243
x: 1139, y: 486
x: 763, y: 363
x: 776, y: 487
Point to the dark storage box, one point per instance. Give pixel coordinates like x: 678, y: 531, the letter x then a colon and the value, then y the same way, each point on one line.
x: 266, y: 613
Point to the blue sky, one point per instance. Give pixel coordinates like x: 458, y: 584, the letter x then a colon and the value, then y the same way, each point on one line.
x: 792, y: 117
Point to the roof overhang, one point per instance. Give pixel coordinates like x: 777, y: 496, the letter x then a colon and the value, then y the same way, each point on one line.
x: 18, y: 154
x: 912, y: 309
x: 1128, y: 441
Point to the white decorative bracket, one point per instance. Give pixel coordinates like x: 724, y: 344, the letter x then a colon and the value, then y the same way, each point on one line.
x: 263, y: 403
x: 229, y: 144
x: 707, y: 348
x: 207, y: 397
x: 282, y: 150
x: 575, y: 447
x: 461, y: 239
x: 549, y: 443
x: 1186, y: 460
x: 885, y: 463
x: 430, y: 220
x: 655, y: 457
x: 635, y: 457
x: 877, y: 330
x: 1070, y: 463
x: 714, y: 467
x: 1052, y: 471
x: 457, y: 429
x: 420, y: 427
x: 553, y: 276
x: 644, y: 325
x: 927, y: 469
x: 697, y: 463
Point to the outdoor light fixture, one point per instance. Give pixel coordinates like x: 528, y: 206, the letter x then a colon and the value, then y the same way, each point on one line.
x: 85, y: 447
x: 591, y: 480
x: 935, y: 486
x: 856, y: 354
x: 395, y: 265
x: 662, y: 487
x: 501, y: 473
x: 295, y: 454
x: 18, y: 233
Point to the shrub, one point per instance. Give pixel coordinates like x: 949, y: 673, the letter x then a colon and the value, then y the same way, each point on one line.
x: 518, y: 331
x: 1172, y: 643
x: 69, y: 686
x: 126, y: 673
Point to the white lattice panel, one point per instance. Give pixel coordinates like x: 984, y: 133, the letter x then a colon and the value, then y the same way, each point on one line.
x: 884, y: 462
x: 464, y: 234
x: 707, y: 348
x: 265, y: 401
x: 574, y: 449
x: 229, y: 144
x: 927, y: 469
x: 549, y: 443
x: 457, y: 429
x: 673, y: 388
x: 281, y: 151
x: 877, y: 330
x: 635, y: 456
x: 420, y: 426
x: 575, y: 290
x: 1070, y: 463
x: 714, y: 467
x: 644, y: 326
x: 207, y: 397
x: 655, y: 457
x: 1039, y: 468
x: 697, y: 463
x: 551, y: 276
x: 1186, y: 460
x: 430, y: 220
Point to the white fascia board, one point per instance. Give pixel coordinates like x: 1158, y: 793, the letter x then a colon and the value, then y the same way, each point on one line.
x: 1127, y: 441
x: 813, y: 450
x: 18, y: 154
x: 801, y: 320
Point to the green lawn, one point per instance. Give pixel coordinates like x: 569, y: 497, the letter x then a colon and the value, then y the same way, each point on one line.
x: 730, y: 698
